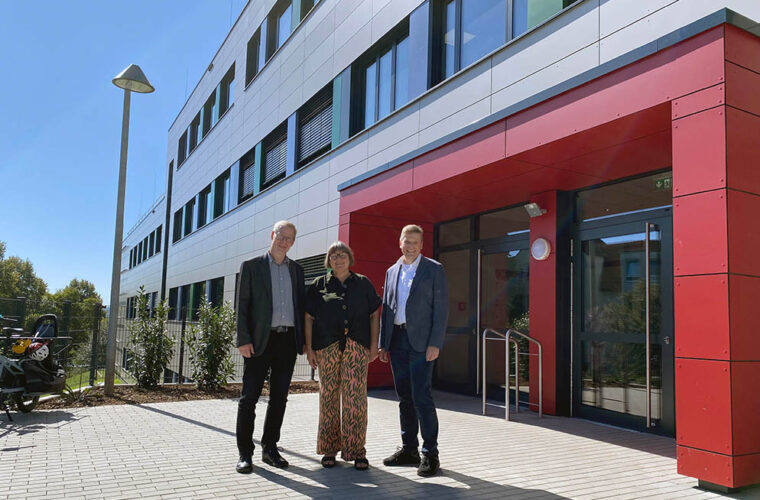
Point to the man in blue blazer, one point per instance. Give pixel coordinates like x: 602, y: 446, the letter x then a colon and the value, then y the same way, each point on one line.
x: 413, y: 322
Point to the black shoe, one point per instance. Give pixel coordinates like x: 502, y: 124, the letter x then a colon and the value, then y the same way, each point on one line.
x: 429, y: 466
x: 402, y: 457
x: 244, y: 465
x: 272, y: 457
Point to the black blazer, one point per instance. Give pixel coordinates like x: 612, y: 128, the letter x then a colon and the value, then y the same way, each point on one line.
x: 254, y: 303
x: 427, y: 308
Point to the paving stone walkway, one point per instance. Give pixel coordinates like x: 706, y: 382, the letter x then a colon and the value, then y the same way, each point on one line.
x: 187, y: 450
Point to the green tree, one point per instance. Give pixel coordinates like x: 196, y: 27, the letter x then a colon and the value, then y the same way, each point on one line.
x: 18, y: 279
x: 151, y: 346
x: 209, y: 343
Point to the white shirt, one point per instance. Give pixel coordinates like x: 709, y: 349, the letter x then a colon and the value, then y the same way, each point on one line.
x: 406, y: 275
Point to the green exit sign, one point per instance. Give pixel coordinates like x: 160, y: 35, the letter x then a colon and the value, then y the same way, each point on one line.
x: 664, y: 184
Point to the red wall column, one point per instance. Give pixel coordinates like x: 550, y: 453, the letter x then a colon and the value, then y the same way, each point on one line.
x: 543, y: 301
x: 375, y: 243
x: 716, y: 151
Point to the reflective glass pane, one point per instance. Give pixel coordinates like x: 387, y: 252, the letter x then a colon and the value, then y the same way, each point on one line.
x: 452, y: 233
x: 503, y: 223
x: 402, y: 73
x: 645, y: 193
x: 449, y: 24
x: 613, y: 284
x: 370, y: 94
x: 384, y: 85
x: 613, y: 377
x: 504, y: 294
x: 457, y: 266
x: 484, y: 28
x: 527, y: 14
x: 283, y: 26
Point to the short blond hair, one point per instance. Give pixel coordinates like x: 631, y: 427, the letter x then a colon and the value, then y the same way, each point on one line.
x: 411, y: 229
x: 339, y: 246
x: 281, y: 224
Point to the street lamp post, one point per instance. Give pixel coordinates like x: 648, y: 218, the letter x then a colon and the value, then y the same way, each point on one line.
x: 131, y: 79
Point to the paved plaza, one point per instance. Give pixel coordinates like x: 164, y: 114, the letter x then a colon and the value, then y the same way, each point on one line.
x: 187, y: 450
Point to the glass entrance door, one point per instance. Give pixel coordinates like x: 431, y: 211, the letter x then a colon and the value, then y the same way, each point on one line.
x: 503, y: 301
x: 623, y: 321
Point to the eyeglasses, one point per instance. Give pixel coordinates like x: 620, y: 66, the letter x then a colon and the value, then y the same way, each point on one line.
x: 338, y: 255
x: 286, y: 239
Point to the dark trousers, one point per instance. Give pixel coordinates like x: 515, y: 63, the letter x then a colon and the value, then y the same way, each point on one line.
x: 413, y: 378
x: 280, y: 357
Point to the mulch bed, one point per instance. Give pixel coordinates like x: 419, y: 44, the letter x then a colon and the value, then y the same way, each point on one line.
x: 132, y: 395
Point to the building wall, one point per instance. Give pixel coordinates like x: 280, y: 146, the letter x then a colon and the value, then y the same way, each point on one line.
x: 332, y: 36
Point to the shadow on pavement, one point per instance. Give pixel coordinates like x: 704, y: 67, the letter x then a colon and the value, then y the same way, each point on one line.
x: 343, y: 481
x: 28, y: 423
x: 648, y: 443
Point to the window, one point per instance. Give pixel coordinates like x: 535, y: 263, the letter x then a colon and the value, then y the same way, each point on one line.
x: 226, y: 91
x: 221, y: 194
x: 315, y: 126
x: 386, y: 78
x: 252, y: 57
x: 182, y: 149
x: 173, y: 309
x: 247, y: 175
x: 313, y: 267
x: 151, y: 244
x: 280, y: 23
x: 527, y: 14
x: 145, y: 249
x: 471, y: 29
x: 275, y: 155
x: 158, y: 239
x: 205, y: 207
x: 139, y: 252
x: 216, y: 292
x: 207, y: 114
x: 193, y: 132
x: 177, y: 226
x: 188, y: 225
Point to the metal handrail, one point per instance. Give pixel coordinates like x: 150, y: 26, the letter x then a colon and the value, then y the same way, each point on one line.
x: 507, y: 337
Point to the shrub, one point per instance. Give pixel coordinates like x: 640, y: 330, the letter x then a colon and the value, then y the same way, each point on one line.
x: 209, y: 344
x: 151, y: 346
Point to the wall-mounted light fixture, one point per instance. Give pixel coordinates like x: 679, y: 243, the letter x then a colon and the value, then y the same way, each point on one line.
x: 534, y: 210
x: 540, y: 249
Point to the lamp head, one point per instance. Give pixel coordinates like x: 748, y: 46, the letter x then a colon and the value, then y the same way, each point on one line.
x: 132, y: 78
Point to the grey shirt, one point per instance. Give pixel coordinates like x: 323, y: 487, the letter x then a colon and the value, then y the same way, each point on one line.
x: 282, y: 293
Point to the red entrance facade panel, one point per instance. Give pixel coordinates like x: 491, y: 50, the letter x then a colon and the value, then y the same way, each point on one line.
x: 694, y: 106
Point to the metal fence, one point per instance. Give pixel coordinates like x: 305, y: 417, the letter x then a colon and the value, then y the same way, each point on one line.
x: 82, y: 352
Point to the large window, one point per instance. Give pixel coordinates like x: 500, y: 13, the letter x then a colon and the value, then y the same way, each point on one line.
x: 315, y: 126
x: 226, y: 91
x: 182, y: 149
x: 189, y: 210
x: 247, y: 175
x: 470, y: 29
x: 177, y: 226
x: 279, y: 26
x: 386, y: 78
x: 527, y: 14
x: 221, y: 194
x: 204, y: 213
x: 275, y: 155
x: 252, y: 66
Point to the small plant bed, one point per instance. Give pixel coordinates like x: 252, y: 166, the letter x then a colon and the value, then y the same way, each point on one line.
x: 132, y: 395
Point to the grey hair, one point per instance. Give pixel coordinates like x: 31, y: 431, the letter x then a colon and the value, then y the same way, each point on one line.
x: 281, y: 224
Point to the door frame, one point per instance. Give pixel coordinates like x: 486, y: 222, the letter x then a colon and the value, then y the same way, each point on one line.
x: 619, y: 225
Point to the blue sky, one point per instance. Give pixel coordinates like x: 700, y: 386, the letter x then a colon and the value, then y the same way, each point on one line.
x: 60, y: 120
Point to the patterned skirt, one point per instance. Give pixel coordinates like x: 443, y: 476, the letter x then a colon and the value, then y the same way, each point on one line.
x: 343, y: 400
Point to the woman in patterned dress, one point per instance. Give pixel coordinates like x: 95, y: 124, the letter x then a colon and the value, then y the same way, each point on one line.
x: 341, y: 330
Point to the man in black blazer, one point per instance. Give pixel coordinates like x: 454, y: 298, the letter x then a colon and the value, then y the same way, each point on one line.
x: 413, y: 322
x: 270, y: 315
